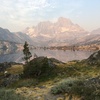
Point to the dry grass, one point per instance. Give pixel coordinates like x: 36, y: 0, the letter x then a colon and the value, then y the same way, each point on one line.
x: 15, y: 69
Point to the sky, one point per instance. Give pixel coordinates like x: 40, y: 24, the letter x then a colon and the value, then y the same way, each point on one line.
x: 16, y: 15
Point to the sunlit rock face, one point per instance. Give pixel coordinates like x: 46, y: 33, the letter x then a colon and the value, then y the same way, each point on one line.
x: 65, y: 25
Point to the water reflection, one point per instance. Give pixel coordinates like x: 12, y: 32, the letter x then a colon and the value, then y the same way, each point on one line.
x: 61, y: 55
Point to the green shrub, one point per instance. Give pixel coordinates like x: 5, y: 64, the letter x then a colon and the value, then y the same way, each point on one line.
x: 83, y: 88
x: 10, y: 95
x: 37, y: 68
x: 64, y: 87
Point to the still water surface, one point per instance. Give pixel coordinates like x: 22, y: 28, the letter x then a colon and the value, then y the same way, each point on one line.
x: 61, y: 55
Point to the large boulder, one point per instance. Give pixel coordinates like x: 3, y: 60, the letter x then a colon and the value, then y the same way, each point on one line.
x: 94, y: 59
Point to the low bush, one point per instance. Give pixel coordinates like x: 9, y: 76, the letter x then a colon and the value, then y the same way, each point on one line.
x: 88, y: 89
x: 63, y: 87
x: 10, y: 95
x: 37, y: 68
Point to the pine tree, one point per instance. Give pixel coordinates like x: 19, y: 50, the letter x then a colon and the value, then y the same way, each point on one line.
x: 27, y: 53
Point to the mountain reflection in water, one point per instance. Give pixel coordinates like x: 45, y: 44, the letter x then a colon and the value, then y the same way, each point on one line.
x: 61, y: 55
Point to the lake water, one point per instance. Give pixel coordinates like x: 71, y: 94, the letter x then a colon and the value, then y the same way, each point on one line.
x: 61, y: 55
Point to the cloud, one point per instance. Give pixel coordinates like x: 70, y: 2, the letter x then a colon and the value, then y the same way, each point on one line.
x: 20, y: 8
x: 24, y: 13
x: 24, y: 4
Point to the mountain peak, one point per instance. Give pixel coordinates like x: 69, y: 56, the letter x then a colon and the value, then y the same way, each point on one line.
x: 64, y: 20
x: 2, y: 30
x: 49, y: 28
x: 44, y: 24
x: 66, y: 25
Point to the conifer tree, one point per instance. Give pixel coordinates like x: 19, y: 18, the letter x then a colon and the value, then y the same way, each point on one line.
x: 26, y: 52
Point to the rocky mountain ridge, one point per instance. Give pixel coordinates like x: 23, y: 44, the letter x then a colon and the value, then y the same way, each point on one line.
x: 10, y: 40
x: 18, y: 37
x: 60, y: 33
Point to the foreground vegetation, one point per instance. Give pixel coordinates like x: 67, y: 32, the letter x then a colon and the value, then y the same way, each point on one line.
x: 9, y: 94
x: 85, y: 89
x: 50, y: 79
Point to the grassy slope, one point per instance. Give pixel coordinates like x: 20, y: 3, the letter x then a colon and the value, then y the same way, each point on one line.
x: 72, y: 69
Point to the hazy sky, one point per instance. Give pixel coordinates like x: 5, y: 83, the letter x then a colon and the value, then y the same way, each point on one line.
x: 16, y: 15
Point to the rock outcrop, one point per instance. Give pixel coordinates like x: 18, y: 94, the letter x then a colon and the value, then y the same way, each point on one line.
x: 94, y: 59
